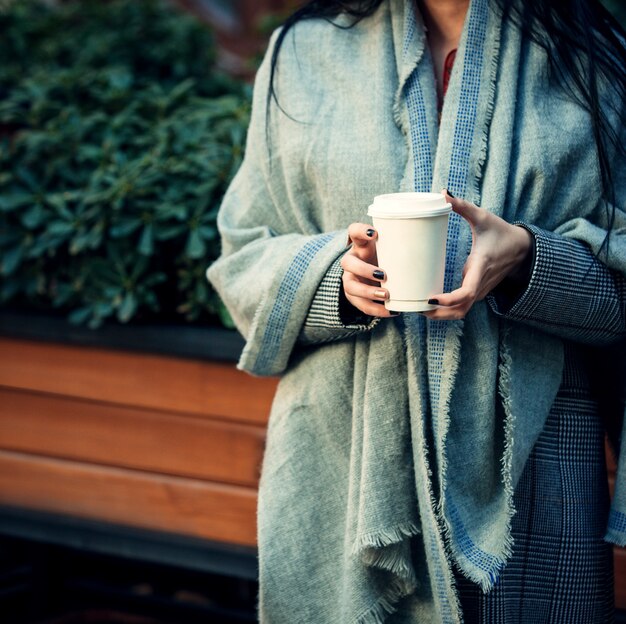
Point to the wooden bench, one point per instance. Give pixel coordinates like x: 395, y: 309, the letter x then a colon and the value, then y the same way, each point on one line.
x: 148, y: 442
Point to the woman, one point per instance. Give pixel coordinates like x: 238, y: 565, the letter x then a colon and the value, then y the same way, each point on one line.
x: 443, y: 467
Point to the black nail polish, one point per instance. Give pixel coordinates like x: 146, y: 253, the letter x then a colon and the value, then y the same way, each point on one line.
x: 433, y: 302
x: 450, y: 194
x: 370, y: 232
x: 378, y: 274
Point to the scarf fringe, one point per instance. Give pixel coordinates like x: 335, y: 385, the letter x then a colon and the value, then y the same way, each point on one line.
x: 507, y: 455
x: 483, y: 150
x: 380, y: 550
x: 392, y: 561
x: 487, y: 579
x: 385, y: 605
x: 377, y: 550
x: 385, y: 537
x: 454, y: 333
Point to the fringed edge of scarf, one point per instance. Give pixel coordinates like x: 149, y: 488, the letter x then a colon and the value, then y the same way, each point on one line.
x: 454, y: 333
x: 377, y: 550
x: 483, y: 150
x: 488, y: 577
x: 509, y: 442
x: 385, y: 605
x: 385, y: 537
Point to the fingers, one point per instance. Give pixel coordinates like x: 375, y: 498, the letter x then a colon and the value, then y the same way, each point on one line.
x: 363, y: 239
x: 361, y: 276
x: 470, y: 212
x: 368, y: 272
x: 361, y: 284
x: 456, y: 304
x: 361, y: 234
x: 368, y: 299
x: 450, y: 312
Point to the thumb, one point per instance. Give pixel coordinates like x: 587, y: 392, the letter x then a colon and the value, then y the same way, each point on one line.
x: 470, y: 212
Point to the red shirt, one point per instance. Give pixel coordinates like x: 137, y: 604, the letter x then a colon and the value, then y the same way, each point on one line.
x: 447, y: 72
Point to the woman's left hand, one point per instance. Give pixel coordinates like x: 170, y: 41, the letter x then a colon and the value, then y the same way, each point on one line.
x: 498, y: 250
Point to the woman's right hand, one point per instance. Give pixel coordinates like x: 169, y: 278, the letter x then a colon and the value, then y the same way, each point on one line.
x: 361, y: 276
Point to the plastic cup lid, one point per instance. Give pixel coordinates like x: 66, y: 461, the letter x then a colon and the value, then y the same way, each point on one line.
x: 409, y: 206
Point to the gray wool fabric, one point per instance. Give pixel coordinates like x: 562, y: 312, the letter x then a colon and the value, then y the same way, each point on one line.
x: 394, y: 448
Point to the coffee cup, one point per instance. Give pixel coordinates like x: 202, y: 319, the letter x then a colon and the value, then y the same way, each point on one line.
x: 411, y: 247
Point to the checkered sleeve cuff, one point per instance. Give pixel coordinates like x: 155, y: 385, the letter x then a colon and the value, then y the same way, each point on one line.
x: 331, y: 316
x: 570, y: 292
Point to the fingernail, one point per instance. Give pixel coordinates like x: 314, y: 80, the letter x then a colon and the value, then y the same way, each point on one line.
x: 433, y: 302
x: 378, y: 274
x: 370, y: 232
x: 381, y: 294
x: 450, y: 194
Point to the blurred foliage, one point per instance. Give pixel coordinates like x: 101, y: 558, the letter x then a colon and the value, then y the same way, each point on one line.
x: 117, y: 142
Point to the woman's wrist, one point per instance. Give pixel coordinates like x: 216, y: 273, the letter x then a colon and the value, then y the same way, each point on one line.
x: 525, y: 245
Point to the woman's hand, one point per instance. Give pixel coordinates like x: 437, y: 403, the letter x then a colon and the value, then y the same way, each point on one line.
x: 361, y: 276
x: 498, y: 250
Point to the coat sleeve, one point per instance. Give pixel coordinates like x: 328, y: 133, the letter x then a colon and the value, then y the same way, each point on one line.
x: 273, y: 259
x: 571, y: 293
x: 330, y: 316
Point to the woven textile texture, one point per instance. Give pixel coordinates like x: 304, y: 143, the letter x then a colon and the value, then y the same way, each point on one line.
x: 561, y: 570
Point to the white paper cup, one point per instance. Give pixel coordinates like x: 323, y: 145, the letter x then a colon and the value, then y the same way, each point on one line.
x: 412, y: 230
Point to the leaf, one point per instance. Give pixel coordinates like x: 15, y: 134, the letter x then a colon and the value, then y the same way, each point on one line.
x: 80, y: 242
x: 33, y: 217
x: 79, y: 316
x: 11, y: 259
x: 195, y: 247
x: 208, y: 232
x: 60, y: 228
x: 180, y: 90
x: 124, y: 227
x: 128, y: 308
x: 15, y: 199
x: 225, y: 317
x: 58, y: 202
x: 146, y: 242
x: 102, y: 309
x: 28, y: 178
x: 169, y: 232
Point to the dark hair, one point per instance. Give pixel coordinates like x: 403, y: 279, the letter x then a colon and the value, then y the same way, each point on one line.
x: 585, y: 45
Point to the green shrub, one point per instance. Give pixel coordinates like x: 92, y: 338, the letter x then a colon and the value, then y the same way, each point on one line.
x: 117, y: 141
